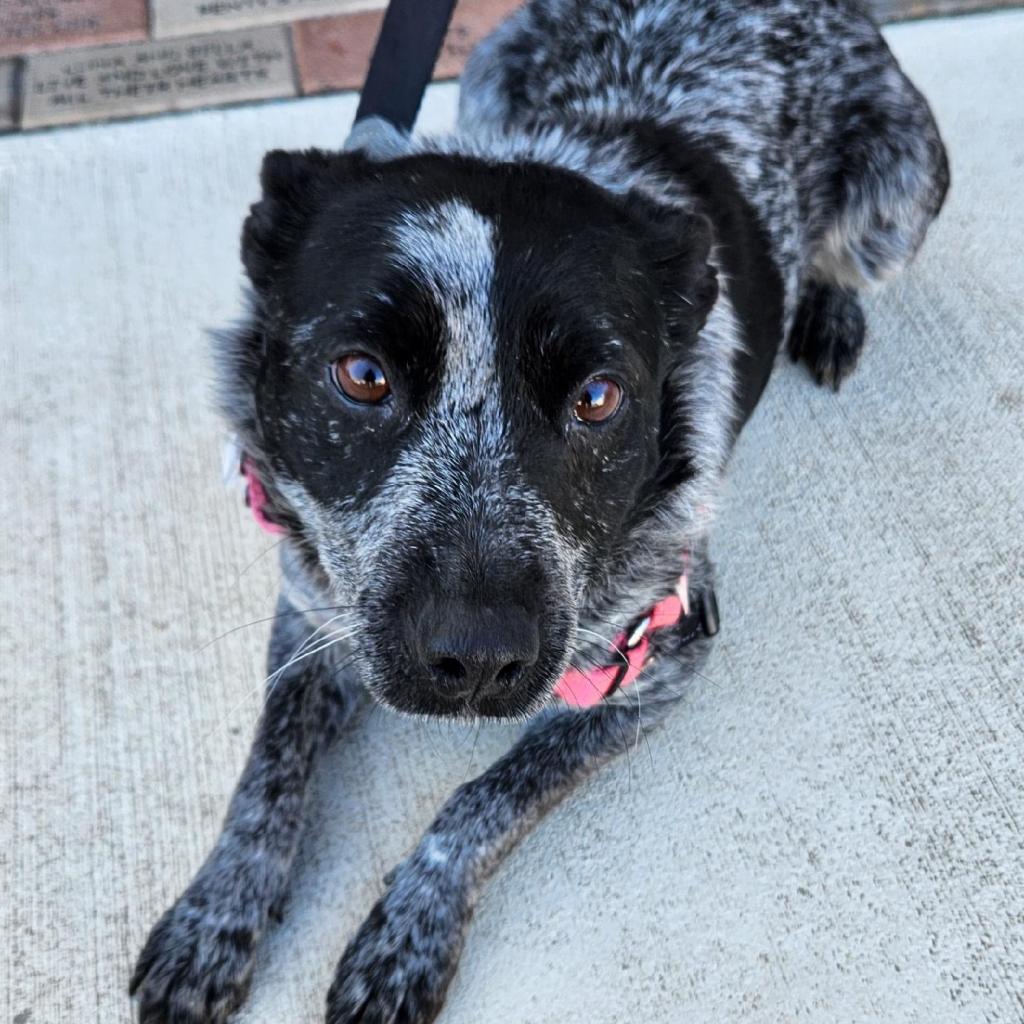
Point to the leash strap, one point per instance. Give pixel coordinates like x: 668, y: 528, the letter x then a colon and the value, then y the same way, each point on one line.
x: 403, y: 60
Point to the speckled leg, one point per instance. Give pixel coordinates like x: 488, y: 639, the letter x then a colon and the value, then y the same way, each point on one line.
x: 401, y: 962
x: 891, y: 178
x: 197, y: 961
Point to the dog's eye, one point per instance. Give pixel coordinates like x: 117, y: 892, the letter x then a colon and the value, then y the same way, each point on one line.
x: 598, y: 400
x: 361, y: 378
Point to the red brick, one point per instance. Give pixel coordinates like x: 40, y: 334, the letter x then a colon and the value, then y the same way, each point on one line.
x: 30, y: 25
x: 334, y: 53
x: 472, y: 21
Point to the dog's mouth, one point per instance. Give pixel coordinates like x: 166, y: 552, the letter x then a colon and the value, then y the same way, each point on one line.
x: 513, y: 690
x: 517, y: 706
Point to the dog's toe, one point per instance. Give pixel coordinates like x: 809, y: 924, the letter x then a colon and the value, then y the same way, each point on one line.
x: 828, y: 333
x: 398, y: 967
x: 194, y: 969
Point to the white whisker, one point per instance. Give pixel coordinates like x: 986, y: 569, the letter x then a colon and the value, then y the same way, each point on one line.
x: 330, y: 640
x: 297, y: 655
x: 612, y: 645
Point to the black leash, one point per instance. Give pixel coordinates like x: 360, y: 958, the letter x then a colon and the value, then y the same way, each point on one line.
x: 403, y: 60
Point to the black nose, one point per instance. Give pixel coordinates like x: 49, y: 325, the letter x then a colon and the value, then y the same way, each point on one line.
x: 475, y: 652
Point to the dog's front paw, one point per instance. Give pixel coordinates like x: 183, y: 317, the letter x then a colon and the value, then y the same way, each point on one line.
x: 828, y: 333
x: 195, y: 966
x: 399, y: 965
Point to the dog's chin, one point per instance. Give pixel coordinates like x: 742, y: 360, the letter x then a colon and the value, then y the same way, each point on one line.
x: 415, y: 697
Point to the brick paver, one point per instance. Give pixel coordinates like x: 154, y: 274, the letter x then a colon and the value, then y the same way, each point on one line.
x: 182, y: 17
x: 144, y: 78
x: 8, y: 94
x: 30, y: 25
x: 334, y: 53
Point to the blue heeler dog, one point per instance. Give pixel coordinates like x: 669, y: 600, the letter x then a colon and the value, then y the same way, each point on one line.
x: 487, y: 389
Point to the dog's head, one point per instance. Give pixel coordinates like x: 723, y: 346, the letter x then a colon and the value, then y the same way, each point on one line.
x: 460, y: 387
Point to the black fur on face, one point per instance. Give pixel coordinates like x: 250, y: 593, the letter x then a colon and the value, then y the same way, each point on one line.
x: 466, y: 517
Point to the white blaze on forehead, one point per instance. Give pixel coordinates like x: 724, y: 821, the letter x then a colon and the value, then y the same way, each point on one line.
x: 450, y: 248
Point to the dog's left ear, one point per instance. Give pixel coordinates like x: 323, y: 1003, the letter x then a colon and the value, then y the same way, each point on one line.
x: 294, y: 186
x: 680, y: 245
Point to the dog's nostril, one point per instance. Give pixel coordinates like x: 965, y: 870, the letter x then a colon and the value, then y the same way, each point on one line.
x: 464, y: 677
x: 449, y: 668
x: 475, y: 653
x: 509, y: 672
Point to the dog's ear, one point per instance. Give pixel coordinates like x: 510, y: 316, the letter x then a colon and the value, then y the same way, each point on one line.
x: 295, y: 186
x: 680, y: 246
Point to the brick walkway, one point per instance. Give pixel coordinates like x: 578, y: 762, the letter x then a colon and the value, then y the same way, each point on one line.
x: 69, y: 61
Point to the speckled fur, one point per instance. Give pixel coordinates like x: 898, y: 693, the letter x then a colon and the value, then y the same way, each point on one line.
x: 830, y: 142
x: 839, y: 160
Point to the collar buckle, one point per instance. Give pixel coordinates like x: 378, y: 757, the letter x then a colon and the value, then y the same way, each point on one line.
x: 637, y: 633
x: 709, y: 612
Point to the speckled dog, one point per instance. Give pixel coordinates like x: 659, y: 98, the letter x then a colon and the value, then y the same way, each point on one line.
x: 488, y: 388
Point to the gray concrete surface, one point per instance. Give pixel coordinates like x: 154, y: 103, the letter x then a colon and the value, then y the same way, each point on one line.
x: 830, y: 830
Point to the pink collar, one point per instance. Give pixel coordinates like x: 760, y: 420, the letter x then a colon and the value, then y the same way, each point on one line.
x: 582, y: 689
x: 630, y: 650
x: 257, y: 500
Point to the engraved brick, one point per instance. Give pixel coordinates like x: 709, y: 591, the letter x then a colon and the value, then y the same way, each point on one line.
x: 8, y: 95
x: 30, y: 25
x: 334, y: 53
x: 145, y: 78
x: 902, y: 10
x: 184, y: 17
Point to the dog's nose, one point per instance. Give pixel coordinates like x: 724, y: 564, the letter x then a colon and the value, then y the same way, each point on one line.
x: 476, y: 652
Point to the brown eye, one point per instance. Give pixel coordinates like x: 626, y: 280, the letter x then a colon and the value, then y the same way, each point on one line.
x: 598, y: 400
x: 361, y: 378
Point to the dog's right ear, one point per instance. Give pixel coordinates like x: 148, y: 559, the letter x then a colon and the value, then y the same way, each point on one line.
x: 295, y: 187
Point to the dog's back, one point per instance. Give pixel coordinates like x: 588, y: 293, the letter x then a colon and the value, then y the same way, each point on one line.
x: 798, y: 98
x: 788, y: 121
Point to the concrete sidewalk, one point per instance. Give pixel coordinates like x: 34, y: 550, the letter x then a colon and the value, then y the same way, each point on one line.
x: 829, y: 831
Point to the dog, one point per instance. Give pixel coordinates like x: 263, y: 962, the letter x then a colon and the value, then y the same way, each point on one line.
x: 487, y: 390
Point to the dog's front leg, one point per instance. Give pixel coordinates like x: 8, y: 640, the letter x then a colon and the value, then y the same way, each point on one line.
x: 400, y: 963
x: 195, y: 966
